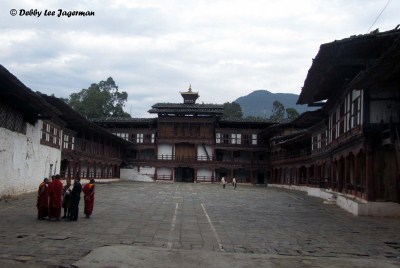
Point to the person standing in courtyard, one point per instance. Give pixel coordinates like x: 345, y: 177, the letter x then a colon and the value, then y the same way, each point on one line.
x: 234, y: 182
x: 223, y: 181
x: 55, y: 198
x: 43, y: 199
x: 67, y: 199
x: 75, y: 198
x: 89, y: 191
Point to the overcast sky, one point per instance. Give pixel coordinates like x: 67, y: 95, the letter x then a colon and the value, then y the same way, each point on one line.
x: 154, y: 49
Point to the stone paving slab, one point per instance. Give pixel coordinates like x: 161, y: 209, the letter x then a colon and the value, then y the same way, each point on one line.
x: 199, y: 219
x: 135, y: 256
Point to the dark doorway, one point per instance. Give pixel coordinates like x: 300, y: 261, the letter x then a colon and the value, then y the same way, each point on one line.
x: 260, y: 178
x: 64, y: 168
x: 184, y: 174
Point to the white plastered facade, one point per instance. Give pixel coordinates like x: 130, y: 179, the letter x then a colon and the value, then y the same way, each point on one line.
x: 24, y: 161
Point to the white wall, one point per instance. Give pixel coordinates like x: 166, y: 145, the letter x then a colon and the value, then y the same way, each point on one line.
x: 164, y: 171
x: 201, y: 153
x: 24, y: 162
x: 133, y: 175
x: 164, y: 149
x: 202, y: 172
x: 147, y: 171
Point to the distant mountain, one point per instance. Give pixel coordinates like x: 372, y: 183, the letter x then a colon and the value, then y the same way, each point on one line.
x: 260, y: 103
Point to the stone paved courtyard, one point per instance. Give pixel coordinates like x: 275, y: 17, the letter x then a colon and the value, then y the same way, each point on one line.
x: 204, y: 217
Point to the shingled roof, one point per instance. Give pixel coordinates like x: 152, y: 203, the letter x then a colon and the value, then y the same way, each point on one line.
x: 119, y: 122
x: 339, y: 62
x: 77, y: 122
x: 181, y: 108
x: 15, y: 94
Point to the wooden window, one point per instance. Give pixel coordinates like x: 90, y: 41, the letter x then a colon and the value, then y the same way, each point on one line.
x: 124, y: 136
x: 147, y: 138
x: 254, y: 139
x: 226, y: 139
x: 332, y: 125
x: 246, y: 139
x: 314, y: 145
x: 217, y: 138
x: 55, y: 135
x: 48, y: 129
x: 324, y: 142
x: 139, y: 138
x: 238, y: 138
x: 341, y: 119
x: 65, y: 141
x: 12, y: 119
x: 51, y: 135
x: 356, y: 109
x: 348, y: 112
x: 235, y: 138
x: 319, y: 141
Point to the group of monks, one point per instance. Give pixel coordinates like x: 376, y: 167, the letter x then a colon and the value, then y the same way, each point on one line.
x: 52, y: 194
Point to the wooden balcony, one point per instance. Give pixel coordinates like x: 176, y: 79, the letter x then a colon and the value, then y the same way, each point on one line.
x: 172, y: 160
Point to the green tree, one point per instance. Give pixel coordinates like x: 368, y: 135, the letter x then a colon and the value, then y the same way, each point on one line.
x: 232, y: 110
x: 100, y: 100
x: 278, y: 112
x: 292, y: 113
x: 255, y: 118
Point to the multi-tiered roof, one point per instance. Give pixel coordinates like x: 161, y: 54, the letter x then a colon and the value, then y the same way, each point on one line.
x: 188, y: 107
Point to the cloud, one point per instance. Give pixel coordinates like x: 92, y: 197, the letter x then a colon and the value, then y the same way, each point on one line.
x: 154, y: 49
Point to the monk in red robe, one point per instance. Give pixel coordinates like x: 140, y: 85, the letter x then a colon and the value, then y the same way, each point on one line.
x: 43, y: 199
x: 55, y: 198
x: 88, y: 190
